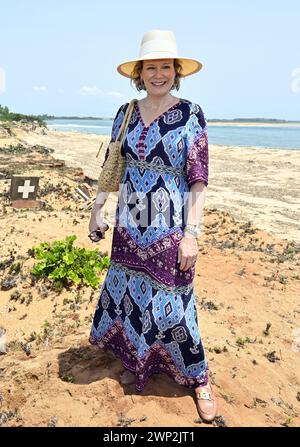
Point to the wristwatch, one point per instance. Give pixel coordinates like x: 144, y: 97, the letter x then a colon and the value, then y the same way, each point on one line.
x: 192, y: 229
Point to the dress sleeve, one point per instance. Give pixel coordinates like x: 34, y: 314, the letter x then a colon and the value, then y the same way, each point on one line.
x: 116, y: 127
x: 197, y: 147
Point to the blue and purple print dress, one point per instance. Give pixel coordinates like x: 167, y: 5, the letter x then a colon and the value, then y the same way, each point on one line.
x: 146, y: 313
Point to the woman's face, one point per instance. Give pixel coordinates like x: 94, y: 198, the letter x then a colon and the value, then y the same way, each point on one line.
x: 158, y: 76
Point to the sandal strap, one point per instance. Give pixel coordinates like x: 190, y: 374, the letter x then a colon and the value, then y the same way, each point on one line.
x: 204, y: 395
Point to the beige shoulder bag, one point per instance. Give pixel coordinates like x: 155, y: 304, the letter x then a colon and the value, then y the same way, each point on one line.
x: 113, y: 169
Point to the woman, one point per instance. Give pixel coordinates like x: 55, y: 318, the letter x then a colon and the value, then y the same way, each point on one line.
x: 146, y: 312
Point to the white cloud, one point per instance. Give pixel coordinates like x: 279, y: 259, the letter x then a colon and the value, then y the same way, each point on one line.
x: 38, y: 88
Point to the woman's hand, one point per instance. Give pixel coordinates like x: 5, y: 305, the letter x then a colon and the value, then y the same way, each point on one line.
x: 96, y: 222
x: 187, y: 252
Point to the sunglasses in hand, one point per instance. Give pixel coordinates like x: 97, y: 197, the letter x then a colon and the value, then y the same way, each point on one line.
x: 97, y: 235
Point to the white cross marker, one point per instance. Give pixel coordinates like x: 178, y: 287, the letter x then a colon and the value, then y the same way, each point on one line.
x: 26, y: 189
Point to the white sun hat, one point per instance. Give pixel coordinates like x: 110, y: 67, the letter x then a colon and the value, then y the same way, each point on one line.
x: 160, y: 44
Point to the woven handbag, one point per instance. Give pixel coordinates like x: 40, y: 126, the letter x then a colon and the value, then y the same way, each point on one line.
x: 113, y: 168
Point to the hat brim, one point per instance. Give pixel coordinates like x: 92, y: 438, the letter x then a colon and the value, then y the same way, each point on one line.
x: 189, y: 66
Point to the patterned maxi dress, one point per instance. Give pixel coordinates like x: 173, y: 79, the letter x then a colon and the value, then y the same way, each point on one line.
x: 146, y: 313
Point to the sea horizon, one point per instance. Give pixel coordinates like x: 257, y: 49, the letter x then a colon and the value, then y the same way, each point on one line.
x: 237, y: 134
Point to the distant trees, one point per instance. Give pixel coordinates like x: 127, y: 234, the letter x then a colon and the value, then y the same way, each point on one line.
x: 6, y: 115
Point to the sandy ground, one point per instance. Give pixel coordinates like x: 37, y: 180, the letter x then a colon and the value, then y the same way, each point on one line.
x: 247, y: 284
x: 259, y: 185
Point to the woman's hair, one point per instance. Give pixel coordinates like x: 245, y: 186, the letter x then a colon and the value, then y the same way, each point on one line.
x: 139, y: 84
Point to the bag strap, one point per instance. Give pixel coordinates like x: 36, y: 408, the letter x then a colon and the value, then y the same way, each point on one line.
x: 126, y: 120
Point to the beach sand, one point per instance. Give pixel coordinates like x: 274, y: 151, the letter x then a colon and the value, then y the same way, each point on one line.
x: 247, y: 285
x: 259, y: 185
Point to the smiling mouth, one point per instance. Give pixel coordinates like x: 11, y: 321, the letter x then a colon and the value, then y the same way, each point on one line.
x: 158, y: 84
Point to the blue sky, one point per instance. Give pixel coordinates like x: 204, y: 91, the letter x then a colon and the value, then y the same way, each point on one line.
x: 60, y: 56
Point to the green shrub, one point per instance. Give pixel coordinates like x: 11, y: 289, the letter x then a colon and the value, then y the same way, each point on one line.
x: 66, y: 264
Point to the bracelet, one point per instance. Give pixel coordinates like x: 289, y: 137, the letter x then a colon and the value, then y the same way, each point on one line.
x: 194, y: 230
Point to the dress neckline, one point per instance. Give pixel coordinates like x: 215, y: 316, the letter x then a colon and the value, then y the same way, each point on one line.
x: 158, y: 117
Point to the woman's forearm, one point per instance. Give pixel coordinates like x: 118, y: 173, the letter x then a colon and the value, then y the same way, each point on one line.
x: 196, y: 199
x: 96, y: 213
x: 101, y: 197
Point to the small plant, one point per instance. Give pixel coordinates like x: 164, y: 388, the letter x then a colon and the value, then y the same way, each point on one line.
x: 15, y: 268
x: 218, y: 349
x: 242, y: 341
x: 248, y: 228
x: 287, y: 422
x: 32, y: 337
x: 124, y: 421
x: 6, y: 416
x: 283, y: 279
x: 272, y: 357
x: 68, y: 378
x: 66, y: 264
x: 45, y: 336
x: 29, y: 299
x: 15, y: 345
x: 15, y: 295
x: 8, y: 282
x: 209, y: 305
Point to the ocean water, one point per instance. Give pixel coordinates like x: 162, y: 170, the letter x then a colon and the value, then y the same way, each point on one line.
x: 285, y: 137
